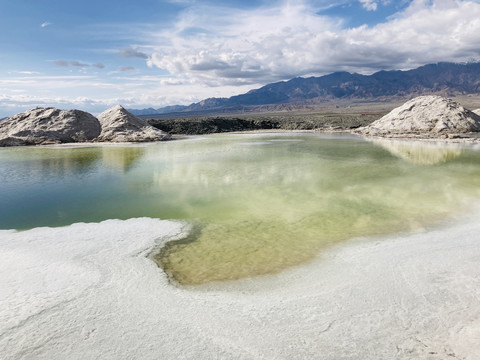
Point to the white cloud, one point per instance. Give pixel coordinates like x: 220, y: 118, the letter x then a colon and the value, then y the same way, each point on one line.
x: 96, y: 93
x: 243, y: 47
x: 370, y: 5
x: 218, y: 46
x: 45, y: 24
x: 24, y: 72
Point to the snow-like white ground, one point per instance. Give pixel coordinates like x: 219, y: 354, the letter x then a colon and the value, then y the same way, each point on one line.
x: 88, y: 291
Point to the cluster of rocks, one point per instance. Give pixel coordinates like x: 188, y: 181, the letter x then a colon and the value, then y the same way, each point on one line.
x: 425, y: 116
x: 43, y: 126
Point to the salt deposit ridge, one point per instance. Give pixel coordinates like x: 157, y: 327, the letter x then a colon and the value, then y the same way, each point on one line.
x: 89, y: 291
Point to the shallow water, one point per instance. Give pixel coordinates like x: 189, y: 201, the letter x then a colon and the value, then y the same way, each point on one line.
x: 258, y: 202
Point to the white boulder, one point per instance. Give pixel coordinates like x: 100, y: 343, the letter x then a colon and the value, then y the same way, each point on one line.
x: 431, y: 115
x: 48, y: 126
x: 119, y: 125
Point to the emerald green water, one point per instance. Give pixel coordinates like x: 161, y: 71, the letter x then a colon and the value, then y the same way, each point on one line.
x: 259, y: 202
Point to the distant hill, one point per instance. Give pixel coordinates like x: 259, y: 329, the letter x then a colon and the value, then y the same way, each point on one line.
x: 163, y: 110
x: 448, y: 79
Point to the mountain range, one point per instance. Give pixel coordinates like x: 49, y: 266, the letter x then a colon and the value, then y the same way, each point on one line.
x: 442, y: 78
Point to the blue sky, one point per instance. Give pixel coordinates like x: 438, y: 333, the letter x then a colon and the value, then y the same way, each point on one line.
x: 92, y: 55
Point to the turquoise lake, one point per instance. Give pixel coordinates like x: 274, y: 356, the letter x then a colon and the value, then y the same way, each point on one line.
x: 258, y: 203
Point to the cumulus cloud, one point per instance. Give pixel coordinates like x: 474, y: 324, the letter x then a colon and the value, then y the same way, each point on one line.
x: 131, y: 52
x: 249, y: 46
x: 260, y: 46
x: 45, y: 24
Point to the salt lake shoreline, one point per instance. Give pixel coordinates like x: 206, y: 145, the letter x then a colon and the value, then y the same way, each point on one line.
x: 473, y: 139
x: 409, y: 295
x: 402, y: 296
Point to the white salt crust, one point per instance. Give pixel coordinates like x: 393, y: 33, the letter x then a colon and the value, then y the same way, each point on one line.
x: 88, y: 291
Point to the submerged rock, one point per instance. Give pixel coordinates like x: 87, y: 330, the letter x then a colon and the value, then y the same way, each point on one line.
x: 119, y: 125
x: 48, y: 126
x: 431, y: 116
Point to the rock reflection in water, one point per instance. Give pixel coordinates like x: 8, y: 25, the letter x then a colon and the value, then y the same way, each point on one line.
x: 420, y: 153
x: 51, y: 162
x: 260, y: 209
x: 121, y: 158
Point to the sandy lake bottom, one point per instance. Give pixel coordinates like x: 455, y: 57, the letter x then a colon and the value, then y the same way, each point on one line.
x: 338, y: 250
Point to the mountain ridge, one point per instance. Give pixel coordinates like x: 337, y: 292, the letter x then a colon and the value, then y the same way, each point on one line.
x: 444, y: 78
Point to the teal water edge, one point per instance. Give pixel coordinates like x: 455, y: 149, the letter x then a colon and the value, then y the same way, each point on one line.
x: 259, y: 202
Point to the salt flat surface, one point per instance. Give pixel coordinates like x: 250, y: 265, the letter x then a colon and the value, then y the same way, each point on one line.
x: 89, y: 291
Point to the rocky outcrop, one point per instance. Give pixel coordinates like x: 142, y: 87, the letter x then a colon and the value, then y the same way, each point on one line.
x: 43, y: 126
x: 119, y: 125
x: 429, y: 116
x: 476, y: 111
x: 48, y: 126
